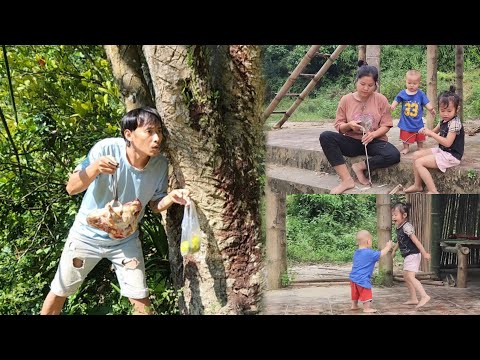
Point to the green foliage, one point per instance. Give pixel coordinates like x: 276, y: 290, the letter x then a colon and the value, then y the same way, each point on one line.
x: 472, y: 173
x: 377, y: 277
x: 286, y: 278
x: 323, y: 227
x: 66, y: 100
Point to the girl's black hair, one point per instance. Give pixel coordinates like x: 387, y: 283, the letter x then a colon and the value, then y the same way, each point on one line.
x: 449, y: 96
x: 403, y: 208
x: 366, y: 70
x: 139, y: 117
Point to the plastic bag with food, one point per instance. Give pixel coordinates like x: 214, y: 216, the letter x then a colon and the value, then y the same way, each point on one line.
x: 191, y: 233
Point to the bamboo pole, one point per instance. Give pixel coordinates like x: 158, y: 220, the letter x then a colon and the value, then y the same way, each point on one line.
x: 384, y: 232
x: 432, y: 54
x: 427, y: 231
x: 436, y: 220
x: 291, y: 79
x: 311, y: 85
x: 459, y: 52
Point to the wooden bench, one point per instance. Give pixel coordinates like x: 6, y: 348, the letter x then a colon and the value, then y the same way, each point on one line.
x: 462, y: 248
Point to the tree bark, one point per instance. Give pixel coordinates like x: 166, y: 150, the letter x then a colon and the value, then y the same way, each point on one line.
x: 384, y: 232
x: 373, y: 58
x: 459, y: 49
x: 127, y: 69
x: 210, y: 98
x: 432, y: 53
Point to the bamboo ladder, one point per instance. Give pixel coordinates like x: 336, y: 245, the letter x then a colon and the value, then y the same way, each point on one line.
x: 291, y: 79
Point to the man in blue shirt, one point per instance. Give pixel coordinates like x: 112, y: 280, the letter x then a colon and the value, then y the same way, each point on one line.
x: 364, y: 260
x: 134, y: 168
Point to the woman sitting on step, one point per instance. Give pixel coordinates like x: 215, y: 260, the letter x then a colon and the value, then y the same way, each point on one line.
x: 362, y: 120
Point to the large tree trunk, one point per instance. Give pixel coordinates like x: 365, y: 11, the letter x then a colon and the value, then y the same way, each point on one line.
x: 432, y: 53
x: 384, y: 232
x: 127, y: 69
x: 210, y: 98
x: 459, y: 76
x: 373, y: 58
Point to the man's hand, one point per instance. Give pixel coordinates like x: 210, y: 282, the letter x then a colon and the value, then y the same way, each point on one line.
x: 180, y: 196
x: 106, y: 165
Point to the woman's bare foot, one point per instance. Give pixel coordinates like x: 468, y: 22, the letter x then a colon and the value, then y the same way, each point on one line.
x: 360, y: 175
x: 404, y: 151
x: 433, y: 192
x: 369, y: 310
x: 411, y: 302
x: 423, y: 301
x: 413, y: 189
x: 354, y: 308
x: 344, y: 185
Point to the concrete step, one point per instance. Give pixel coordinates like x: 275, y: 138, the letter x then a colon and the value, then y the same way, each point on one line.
x: 461, y: 179
x: 292, y: 180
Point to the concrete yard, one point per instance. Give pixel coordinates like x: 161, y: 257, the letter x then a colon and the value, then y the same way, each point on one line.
x: 334, y: 298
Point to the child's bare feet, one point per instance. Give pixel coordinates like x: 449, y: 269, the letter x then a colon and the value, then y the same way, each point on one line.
x: 433, y: 192
x: 423, y: 301
x: 369, y: 310
x: 413, y: 189
x: 360, y: 175
x: 354, y: 308
x: 344, y: 185
x: 411, y: 302
x: 404, y: 151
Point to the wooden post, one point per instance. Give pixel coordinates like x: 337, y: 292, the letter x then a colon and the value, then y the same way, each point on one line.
x: 362, y: 52
x: 373, y: 58
x: 276, y: 237
x: 436, y: 219
x: 432, y: 52
x: 384, y: 232
x: 459, y: 49
x: 462, y: 269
